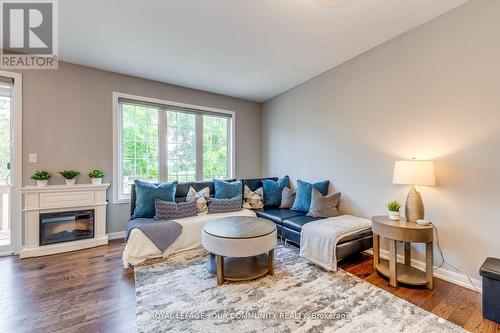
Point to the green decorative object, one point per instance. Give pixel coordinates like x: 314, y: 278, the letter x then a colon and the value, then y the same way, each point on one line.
x: 69, y: 176
x: 42, y: 177
x: 394, y: 206
x: 96, y: 176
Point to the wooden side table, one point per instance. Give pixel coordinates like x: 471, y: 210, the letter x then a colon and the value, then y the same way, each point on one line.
x: 406, y: 232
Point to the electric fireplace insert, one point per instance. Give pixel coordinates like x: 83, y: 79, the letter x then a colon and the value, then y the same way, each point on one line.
x: 66, y: 226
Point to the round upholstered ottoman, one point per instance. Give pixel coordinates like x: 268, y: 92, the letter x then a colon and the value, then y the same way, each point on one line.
x: 241, y: 248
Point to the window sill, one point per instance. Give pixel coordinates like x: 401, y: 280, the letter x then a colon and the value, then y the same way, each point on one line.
x: 121, y: 201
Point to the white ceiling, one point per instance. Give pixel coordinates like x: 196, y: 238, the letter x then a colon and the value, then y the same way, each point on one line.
x: 252, y: 49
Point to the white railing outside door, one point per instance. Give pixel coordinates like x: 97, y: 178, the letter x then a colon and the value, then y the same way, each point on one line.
x: 4, y: 214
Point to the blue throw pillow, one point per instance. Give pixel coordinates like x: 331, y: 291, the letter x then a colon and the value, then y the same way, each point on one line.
x: 273, y: 189
x: 227, y: 190
x: 304, y: 191
x: 147, y: 193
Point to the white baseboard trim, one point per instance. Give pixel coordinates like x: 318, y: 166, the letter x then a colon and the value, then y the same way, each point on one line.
x: 45, y: 250
x: 116, y: 235
x: 6, y: 254
x: 442, y: 273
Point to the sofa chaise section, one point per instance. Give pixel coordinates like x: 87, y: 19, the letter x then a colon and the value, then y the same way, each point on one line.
x: 289, y: 225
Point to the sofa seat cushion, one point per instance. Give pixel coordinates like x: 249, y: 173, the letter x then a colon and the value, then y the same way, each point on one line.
x: 277, y: 215
x: 357, y: 235
x: 296, y: 223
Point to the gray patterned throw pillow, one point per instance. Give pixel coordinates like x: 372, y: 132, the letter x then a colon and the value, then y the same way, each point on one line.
x: 166, y: 210
x: 324, y: 205
x: 224, y: 205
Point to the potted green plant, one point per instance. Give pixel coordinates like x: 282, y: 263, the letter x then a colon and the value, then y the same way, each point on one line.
x: 394, y: 206
x: 96, y: 177
x: 69, y: 176
x: 42, y: 177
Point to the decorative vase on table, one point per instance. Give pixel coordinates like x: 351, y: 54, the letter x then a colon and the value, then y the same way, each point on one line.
x: 96, y: 181
x: 41, y: 177
x: 394, y: 216
x: 69, y: 176
x: 393, y: 207
x: 42, y: 183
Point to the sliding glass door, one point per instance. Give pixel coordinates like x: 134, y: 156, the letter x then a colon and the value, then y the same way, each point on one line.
x: 6, y: 85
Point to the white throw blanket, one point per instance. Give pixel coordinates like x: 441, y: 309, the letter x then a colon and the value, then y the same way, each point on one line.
x: 318, y: 239
x: 140, y: 248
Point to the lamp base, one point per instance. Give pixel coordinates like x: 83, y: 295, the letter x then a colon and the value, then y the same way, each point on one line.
x: 414, y: 209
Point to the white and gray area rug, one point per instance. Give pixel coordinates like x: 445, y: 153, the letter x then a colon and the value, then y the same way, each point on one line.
x: 181, y: 295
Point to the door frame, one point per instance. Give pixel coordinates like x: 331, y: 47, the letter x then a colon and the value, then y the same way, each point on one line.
x: 16, y: 162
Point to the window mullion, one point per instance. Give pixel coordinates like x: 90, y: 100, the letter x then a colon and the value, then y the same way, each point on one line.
x: 119, y: 148
x: 199, y: 147
x: 162, y: 145
x: 229, y: 147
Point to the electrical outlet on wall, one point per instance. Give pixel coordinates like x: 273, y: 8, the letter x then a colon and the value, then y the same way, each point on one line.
x: 32, y: 158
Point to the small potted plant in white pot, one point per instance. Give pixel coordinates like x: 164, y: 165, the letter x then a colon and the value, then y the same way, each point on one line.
x: 96, y: 177
x: 69, y: 176
x: 42, y: 177
x: 393, y: 206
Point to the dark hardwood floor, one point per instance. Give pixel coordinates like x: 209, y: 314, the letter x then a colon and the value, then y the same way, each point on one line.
x: 89, y: 291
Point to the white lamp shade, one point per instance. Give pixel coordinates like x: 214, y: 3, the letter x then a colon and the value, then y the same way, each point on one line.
x: 333, y: 3
x: 414, y: 173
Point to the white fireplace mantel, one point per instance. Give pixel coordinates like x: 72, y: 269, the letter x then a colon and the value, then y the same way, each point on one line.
x: 60, y: 198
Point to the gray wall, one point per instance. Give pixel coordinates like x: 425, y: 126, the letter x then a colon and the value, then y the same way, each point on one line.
x: 67, y: 121
x: 432, y: 93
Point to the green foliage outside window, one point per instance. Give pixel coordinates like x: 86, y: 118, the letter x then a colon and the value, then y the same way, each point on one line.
x: 215, y: 154
x: 140, y: 145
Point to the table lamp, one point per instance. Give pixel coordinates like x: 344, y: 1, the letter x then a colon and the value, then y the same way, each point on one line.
x: 413, y: 173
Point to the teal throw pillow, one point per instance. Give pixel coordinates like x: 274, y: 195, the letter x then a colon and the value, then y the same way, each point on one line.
x: 227, y: 190
x: 273, y: 189
x: 146, y: 194
x: 304, y: 191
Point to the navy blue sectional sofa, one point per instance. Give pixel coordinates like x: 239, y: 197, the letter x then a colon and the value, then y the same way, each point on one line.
x: 289, y: 223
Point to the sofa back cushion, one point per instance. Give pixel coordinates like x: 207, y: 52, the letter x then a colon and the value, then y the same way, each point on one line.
x: 256, y: 183
x: 147, y: 193
x: 183, y: 188
x: 167, y: 210
x: 302, y: 201
x: 181, y: 191
x: 273, y: 190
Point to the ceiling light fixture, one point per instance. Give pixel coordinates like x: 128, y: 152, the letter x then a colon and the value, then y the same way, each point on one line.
x: 333, y: 3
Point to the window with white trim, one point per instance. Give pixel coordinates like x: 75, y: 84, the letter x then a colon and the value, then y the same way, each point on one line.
x: 158, y: 142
